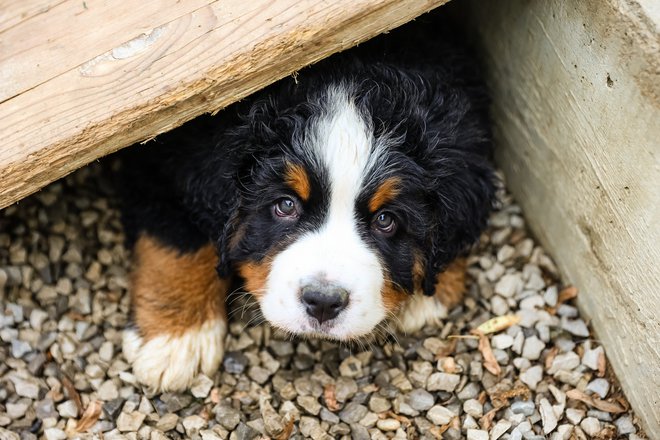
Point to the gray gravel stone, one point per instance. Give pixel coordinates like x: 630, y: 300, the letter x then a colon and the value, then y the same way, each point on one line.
x: 477, y: 434
x: 548, y: 416
x: 168, y: 422
x: 624, y: 425
x: 25, y: 386
x: 439, y: 415
x: 350, y: 367
x: 502, y: 341
x: 201, y: 386
x: 227, y: 416
x: 54, y: 434
x: 590, y: 425
x: 509, y: 285
x: 525, y: 407
x: 532, y: 376
x: 420, y: 400
x: 473, y: 407
x: 599, y: 386
x: 443, y: 382
x: 352, y: 413
x: 192, y: 425
x: 574, y: 415
x: 68, y: 409
x: 576, y: 327
x: 130, y: 422
x: 532, y: 348
x: 16, y: 410
x: 564, y: 361
x: 379, y: 404
x: 235, y: 362
x: 499, y: 429
x: 359, y: 432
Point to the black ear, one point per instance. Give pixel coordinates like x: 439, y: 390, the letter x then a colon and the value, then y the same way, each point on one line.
x: 463, y: 195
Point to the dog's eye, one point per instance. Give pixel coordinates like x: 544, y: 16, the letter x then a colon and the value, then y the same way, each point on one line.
x: 286, y: 208
x: 384, y: 223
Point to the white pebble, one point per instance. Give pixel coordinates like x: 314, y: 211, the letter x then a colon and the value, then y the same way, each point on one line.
x: 551, y: 295
x: 532, y: 348
x: 575, y: 327
x: 532, y: 376
x: 54, y: 434
x: 625, y: 425
x: 388, y: 424
x: 37, y: 318
x: 439, y: 415
x: 201, y: 386
x: 499, y: 429
x: 565, y: 361
x: 590, y: 425
x: 477, y: 434
x: 574, y: 416
x: 498, y: 305
x: 509, y: 285
x: 474, y: 408
x: 548, y: 416
x: 600, y: 387
x: 590, y: 357
x: 502, y: 341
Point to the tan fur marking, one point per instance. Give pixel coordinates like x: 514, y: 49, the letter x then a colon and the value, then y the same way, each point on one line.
x: 173, y: 293
x: 450, y: 285
x: 255, y: 275
x: 393, y: 296
x: 297, y: 179
x: 385, y: 193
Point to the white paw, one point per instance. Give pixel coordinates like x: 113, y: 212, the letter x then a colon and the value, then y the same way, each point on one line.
x: 167, y: 363
x: 419, y: 311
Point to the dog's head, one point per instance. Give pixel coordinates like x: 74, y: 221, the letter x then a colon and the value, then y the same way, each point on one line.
x: 351, y: 197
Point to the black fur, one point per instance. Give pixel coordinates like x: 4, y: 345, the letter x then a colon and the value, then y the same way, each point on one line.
x: 203, y: 181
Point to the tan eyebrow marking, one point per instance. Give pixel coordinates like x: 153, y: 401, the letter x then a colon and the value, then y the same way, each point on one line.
x: 296, y: 177
x: 385, y: 193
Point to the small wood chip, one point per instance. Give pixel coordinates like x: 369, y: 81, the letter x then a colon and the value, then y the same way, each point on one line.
x: 447, y: 350
x: 501, y: 398
x: 71, y: 391
x: 595, y: 402
x: 498, y: 324
x: 602, y: 364
x: 550, y: 357
x: 567, y: 294
x: 486, y: 421
x: 330, y: 397
x: 89, y: 417
x: 490, y: 363
x: 288, y: 429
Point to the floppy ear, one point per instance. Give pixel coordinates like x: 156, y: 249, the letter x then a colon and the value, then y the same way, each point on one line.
x: 462, y: 196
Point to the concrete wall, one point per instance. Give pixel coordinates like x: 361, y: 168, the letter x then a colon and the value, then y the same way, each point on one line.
x: 577, y: 111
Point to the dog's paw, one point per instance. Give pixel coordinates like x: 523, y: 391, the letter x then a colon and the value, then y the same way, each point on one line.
x: 170, y: 363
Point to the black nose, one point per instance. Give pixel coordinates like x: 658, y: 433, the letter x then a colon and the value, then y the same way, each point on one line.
x: 324, y: 302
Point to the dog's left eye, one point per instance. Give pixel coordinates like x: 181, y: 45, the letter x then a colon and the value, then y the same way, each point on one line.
x: 385, y: 223
x: 286, y: 208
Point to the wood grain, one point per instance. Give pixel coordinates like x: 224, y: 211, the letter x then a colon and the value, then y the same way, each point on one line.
x: 98, y: 76
x: 577, y: 111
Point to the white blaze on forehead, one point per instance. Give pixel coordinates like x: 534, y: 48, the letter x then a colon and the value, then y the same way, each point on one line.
x: 343, y: 143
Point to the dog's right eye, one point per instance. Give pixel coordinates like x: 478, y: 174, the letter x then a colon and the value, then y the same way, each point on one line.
x: 286, y: 208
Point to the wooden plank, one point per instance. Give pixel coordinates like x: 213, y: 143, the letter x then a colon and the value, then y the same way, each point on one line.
x: 577, y: 110
x: 151, y: 65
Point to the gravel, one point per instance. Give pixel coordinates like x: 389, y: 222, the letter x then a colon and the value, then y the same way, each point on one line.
x: 63, y: 305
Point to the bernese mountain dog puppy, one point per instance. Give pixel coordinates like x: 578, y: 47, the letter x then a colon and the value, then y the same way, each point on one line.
x: 341, y: 199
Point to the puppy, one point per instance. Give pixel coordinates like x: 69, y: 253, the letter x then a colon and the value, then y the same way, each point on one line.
x: 341, y: 198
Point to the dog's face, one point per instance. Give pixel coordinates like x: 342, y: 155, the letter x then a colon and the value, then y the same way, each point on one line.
x: 342, y: 216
